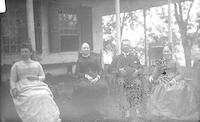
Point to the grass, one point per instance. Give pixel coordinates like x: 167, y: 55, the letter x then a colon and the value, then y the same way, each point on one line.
x: 62, y: 88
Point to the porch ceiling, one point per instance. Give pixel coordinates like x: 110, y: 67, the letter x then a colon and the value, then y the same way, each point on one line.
x: 108, y: 6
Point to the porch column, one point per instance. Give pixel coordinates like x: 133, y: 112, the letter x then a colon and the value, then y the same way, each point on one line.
x: 117, y: 11
x: 145, y: 38
x: 44, y: 26
x: 30, y: 22
x: 2, y: 6
x: 169, y: 24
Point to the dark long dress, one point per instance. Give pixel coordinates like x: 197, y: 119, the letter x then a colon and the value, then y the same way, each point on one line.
x: 85, y: 94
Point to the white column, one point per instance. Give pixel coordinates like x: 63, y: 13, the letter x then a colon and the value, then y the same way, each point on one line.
x: 44, y: 27
x: 169, y: 22
x: 30, y: 22
x: 117, y: 11
x: 145, y: 38
x: 2, y: 6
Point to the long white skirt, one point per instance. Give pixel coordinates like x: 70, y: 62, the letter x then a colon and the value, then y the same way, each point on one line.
x: 35, y: 102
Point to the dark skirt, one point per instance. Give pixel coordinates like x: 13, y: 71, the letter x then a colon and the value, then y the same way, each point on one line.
x: 86, y: 95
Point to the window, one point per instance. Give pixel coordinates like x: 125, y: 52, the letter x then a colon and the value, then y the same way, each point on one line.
x: 14, y: 27
x: 63, y: 28
x: 14, y: 30
x: 68, y: 30
x: 69, y: 26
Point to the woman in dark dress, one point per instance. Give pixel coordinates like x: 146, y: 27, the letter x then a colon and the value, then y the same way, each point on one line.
x: 91, y: 89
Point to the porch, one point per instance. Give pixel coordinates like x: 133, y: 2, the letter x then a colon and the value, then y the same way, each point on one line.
x: 57, y: 28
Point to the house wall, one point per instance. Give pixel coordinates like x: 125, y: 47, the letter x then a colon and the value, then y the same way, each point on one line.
x: 67, y: 57
x: 55, y: 59
x: 99, y: 9
x: 47, y: 57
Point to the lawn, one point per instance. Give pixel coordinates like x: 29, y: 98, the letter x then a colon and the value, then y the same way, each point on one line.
x: 62, y: 88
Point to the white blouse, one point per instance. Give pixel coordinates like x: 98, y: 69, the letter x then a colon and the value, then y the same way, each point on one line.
x: 21, y: 70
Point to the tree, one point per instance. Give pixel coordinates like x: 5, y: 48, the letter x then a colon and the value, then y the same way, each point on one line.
x: 128, y: 20
x: 185, y: 28
x: 184, y: 23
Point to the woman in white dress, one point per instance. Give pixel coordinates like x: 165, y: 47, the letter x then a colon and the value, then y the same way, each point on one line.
x: 32, y: 98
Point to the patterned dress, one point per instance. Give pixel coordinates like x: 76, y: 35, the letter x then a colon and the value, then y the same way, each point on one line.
x: 172, y: 100
x: 132, y: 84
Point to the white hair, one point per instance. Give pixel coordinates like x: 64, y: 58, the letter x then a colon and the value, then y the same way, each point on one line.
x: 85, y: 45
x: 166, y: 48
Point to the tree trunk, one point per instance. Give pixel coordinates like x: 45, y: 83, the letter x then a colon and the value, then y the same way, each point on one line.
x: 183, y: 24
x: 186, y: 44
x: 187, y: 54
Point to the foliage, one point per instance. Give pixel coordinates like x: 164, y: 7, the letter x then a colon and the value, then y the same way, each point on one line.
x: 188, y: 29
x: 185, y: 23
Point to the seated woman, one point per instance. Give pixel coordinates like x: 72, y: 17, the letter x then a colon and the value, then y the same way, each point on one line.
x: 32, y: 98
x: 91, y: 89
x: 173, y: 98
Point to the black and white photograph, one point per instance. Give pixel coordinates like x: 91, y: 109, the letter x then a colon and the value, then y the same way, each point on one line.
x: 100, y: 60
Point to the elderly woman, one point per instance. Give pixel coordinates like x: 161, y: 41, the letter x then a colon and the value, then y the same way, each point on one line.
x: 173, y: 98
x: 32, y: 98
x: 91, y: 89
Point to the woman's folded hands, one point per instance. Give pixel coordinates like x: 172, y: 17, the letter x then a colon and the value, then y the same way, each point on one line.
x: 91, y: 79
